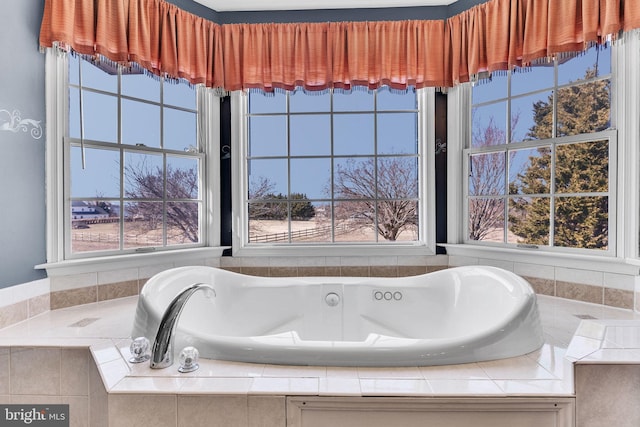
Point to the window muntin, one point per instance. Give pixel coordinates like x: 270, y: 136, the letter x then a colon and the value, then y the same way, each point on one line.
x: 546, y: 178
x: 332, y: 168
x: 135, y: 163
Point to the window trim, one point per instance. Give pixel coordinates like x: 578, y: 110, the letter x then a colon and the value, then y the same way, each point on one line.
x: 609, y: 135
x: 56, y: 175
x: 426, y: 134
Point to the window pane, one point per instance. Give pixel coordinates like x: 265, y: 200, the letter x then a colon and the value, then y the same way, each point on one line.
x: 95, y: 225
x: 179, y: 130
x: 487, y: 174
x: 485, y: 91
x: 100, y: 117
x: 355, y: 100
x: 489, y: 125
x: 581, y: 222
x: 310, y: 178
x: 141, y: 86
x: 268, y: 221
x: 310, y: 222
x: 353, y: 134
x: 596, y: 61
x: 74, y: 70
x: 143, y: 176
x: 267, y: 103
x: 354, y: 222
x: 584, y: 108
x: 397, y: 220
x: 182, y: 178
x: 354, y: 178
x: 267, y: 178
x: 96, y: 78
x: 486, y: 219
x: 582, y: 167
x: 389, y: 101
x: 299, y: 101
x: 311, y: 135
x: 140, y: 123
x: 179, y: 94
x: 397, y: 177
x: 533, y: 79
x: 529, y: 220
x: 101, y: 175
x: 143, y: 224
x: 530, y: 171
x: 398, y: 133
x: 532, y: 117
x: 268, y: 136
x: 183, y: 225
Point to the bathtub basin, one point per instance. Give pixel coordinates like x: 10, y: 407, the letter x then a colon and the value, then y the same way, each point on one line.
x: 457, y: 315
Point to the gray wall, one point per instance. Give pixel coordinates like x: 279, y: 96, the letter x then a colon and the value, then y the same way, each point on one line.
x: 22, y: 141
x: 22, y: 116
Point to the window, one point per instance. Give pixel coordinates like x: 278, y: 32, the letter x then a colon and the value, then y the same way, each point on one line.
x: 134, y: 162
x: 541, y: 161
x: 333, y: 168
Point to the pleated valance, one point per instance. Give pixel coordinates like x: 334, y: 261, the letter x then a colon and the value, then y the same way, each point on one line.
x: 496, y: 35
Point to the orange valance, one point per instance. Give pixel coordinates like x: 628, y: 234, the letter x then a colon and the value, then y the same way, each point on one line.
x: 495, y: 35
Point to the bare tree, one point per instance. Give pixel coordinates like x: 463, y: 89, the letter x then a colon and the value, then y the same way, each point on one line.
x: 381, y: 195
x: 148, y: 184
x: 487, y: 181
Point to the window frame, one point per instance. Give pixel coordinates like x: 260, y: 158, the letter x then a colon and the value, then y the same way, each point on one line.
x: 240, y: 235
x: 609, y: 135
x: 58, y: 199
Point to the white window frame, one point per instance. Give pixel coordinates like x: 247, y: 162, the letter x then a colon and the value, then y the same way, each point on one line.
x: 57, y: 177
x: 625, y: 103
x: 426, y: 244
x: 610, y: 136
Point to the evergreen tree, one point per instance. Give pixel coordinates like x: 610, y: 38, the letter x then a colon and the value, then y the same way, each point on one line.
x: 579, y: 221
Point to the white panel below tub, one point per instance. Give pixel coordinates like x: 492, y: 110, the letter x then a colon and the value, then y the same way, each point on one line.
x: 414, y: 412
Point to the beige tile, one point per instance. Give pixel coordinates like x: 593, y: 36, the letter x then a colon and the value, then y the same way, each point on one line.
x: 117, y: 276
x: 309, y: 271
x: 332, y: 271
x: 411, y: 270
x: 607, y: 395
x: 618, y: 298
x: 74, y: 281
x: 135, y: 410
x: 542, y: 286
x: 117, y: 290
x: 98, y: 399
x: 74, y: 372
x: 39, y: 304
x: 432, y: 268
x: 212, y: 411
x: 383, y: 271
x: 256, y: 271
x: 5, y: 372
x: 13, y: 313
x: 354, y: 271
x: 267, y: 411
x: 73, y: 297
x: 283, y: 271
x: 36, y: 399
x: 35, y: 371
x: 580, y: 292
x: 78, y: 410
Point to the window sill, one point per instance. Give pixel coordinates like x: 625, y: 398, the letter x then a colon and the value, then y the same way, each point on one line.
x: 333, y: 251
x: 527, y: 256
x: 116, y: 262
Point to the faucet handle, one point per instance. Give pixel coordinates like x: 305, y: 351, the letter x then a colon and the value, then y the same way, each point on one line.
x: 139, y: 350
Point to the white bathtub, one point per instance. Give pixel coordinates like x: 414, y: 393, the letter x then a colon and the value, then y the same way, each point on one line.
x: 458, y: 315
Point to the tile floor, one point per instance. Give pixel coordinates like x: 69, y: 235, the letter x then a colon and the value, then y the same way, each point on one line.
x: 105, y: 326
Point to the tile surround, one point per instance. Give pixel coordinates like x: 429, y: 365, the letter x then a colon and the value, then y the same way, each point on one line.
x: 610, y: 289
x: 252, y: 395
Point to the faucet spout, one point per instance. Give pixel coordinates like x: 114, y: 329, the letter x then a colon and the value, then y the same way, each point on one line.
x: 162, y: 350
